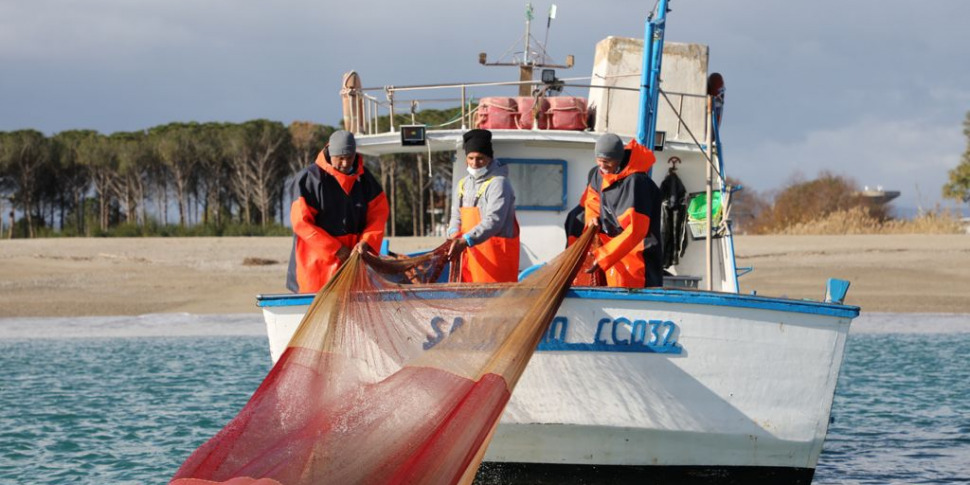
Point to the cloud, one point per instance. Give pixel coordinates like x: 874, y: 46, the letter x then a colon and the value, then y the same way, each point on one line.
x: 950, y: 94
x: 868, y: 87
x: 45, y: 31
x: 909, y: 155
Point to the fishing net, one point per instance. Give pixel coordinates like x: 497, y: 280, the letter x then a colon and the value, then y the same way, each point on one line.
x: 386, y: 381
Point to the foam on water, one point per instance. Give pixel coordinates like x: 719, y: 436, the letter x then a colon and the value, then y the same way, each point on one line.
x: 151, y: 325
x: 874, y: 322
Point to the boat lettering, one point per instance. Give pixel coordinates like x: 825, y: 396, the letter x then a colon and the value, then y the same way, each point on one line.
x: 557, y: 330
x: 439, y: 334
x: 612, y: 335
x: 650, y: 333
x: 616, y: 335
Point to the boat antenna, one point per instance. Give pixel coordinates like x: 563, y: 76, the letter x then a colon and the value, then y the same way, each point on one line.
x: 552, y: 15
x: 528, y: 62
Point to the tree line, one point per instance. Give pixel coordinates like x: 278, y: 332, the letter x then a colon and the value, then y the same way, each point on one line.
x: 193, y: 179
x: 234, y: 179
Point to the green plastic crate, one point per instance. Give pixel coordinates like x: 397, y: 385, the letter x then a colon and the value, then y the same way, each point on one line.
x: 697, y: 207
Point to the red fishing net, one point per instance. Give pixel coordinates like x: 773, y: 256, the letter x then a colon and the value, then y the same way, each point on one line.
x: 386, y: 381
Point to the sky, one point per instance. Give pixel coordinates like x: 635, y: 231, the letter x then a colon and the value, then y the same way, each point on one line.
x: 874, y: 90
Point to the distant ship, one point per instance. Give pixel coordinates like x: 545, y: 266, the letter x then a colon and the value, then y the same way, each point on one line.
x: 878, y: 195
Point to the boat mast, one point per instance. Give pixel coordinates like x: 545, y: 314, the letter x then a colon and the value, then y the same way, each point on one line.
x: 529, y: 62
x: 653, y: 47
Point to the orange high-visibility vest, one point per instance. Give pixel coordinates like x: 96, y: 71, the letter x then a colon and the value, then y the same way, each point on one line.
x: 495, y: 260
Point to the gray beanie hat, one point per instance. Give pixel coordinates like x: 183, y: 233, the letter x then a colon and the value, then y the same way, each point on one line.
x: 342, y: 143
x: 609, y: 146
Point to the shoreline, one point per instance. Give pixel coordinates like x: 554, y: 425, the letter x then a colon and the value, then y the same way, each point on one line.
x: 64, y: 277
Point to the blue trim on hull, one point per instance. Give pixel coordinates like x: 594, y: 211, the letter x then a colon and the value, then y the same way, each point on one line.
x: 711, y: 298
x: 653, y: 295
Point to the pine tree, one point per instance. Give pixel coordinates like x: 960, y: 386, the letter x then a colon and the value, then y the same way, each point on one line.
x: 959, y: 185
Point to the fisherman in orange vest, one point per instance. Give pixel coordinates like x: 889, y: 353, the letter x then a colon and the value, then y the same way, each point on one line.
x: 483, y: 224
x: 339, y: 205
x: 624, y: 202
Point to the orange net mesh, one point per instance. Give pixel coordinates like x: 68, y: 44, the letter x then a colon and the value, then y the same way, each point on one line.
x: 388, y: 382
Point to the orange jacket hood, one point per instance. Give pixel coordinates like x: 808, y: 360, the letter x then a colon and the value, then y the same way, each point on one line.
x: 641, y: 160
x: 345, y: 180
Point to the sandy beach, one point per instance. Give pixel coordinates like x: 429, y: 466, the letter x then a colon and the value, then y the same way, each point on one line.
x: 118, y: 276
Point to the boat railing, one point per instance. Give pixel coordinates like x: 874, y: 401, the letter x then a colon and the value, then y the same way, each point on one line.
x: 363, y: 108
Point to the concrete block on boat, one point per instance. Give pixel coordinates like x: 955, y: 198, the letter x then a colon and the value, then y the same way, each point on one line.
x: 618, y: 61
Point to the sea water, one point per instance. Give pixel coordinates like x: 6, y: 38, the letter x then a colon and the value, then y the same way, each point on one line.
x: 124, y: 400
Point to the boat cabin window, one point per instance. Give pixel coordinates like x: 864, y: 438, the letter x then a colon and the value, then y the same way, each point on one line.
x: 540, y: 184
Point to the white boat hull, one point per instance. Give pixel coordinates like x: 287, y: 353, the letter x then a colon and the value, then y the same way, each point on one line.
x: 687, y: 380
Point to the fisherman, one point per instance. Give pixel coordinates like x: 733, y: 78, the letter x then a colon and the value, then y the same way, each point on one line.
x: 624, y: 202
x: 483, y: 224
x: 339, y: 206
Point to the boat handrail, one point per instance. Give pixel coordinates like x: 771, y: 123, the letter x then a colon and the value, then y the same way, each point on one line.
x: 369, y: 125
x: 364, y: 119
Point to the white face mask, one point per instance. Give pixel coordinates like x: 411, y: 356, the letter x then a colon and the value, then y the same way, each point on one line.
x: 476, y: 172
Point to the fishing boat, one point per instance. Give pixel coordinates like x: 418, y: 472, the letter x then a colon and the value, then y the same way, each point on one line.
x: 690, y: 383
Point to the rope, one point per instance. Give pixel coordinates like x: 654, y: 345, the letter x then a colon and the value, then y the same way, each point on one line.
x: 455, y: 120
x: 689, y: 132
x: 720, y: 178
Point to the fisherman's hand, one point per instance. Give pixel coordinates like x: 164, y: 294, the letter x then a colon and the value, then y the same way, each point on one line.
x: 343, y: 253
x: 362, y: 247
x: 592, y: 268
x: 457, y: 246
x: 592, y: 223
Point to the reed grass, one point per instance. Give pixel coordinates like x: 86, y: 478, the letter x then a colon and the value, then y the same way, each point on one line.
x: 859, y: 220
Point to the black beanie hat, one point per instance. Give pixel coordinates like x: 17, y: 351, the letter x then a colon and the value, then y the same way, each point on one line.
x: 478, y: 141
